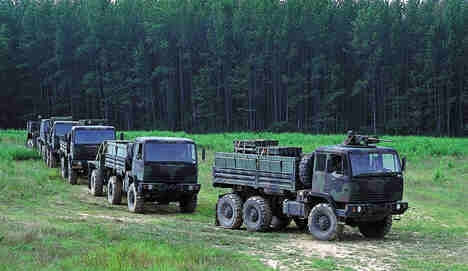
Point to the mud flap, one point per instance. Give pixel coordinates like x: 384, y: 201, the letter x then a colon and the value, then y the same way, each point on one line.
x: 216, y: 212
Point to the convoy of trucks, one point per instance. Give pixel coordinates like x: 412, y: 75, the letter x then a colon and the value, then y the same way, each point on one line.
x: 355, y: 183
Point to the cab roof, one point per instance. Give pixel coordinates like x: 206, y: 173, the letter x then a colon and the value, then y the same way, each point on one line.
x: 163, y: 139
x: 347, y: 149
x: 92, y: 127
x: 65, y: 122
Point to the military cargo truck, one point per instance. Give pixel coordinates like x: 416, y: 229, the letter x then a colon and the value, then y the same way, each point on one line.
x: 80, y: 146
x: 147, y: 169
x: 44, y: 132
x: 32, y: 129
x: 43, y: 137
x: 58, y: 130
x: 355, y: 183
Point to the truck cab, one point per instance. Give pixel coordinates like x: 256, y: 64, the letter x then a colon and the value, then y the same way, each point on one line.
x: 147, y: 170
x: 79, y: 146
x: 58, y: 131
x: 164, y: 160
x: 360, y: 176
x: 164, y: 169
x: 32, y: 128
x: 43, y: 137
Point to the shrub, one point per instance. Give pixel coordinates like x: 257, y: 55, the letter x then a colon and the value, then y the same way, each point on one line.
x: 16, y: 152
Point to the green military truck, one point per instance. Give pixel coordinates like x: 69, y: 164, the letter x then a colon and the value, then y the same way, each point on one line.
x: 79, y: 146
x: 43, y: 135
x: 355, y: 183
x: 147, y: 169
x: 58, y: 130
x: 32, y: 129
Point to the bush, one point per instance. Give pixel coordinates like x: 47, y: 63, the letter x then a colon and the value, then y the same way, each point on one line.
x: 438, y: 176
x: 17, y: 153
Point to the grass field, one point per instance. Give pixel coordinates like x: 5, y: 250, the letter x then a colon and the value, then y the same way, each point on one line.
x: 46, y: 224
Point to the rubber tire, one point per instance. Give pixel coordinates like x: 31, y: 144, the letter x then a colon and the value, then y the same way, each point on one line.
x: 134, y: 201
x: 43, y: 154
x: 63, y: 168
x: 30, y: 144
x: 306, y: 167
x: 96, y: 182
x: 377, y: 229
x: 279, y: 223
x: 188, y: 204
x: 47, y: 161
x: 323, y: 209
x: 72, y: 175
x: 52, y: 160
x: 263, y: 211
x: 301, y: 223
x: 114, y: 190
x: 233, y: 201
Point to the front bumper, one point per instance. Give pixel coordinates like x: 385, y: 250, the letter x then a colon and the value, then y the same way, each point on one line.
x: 165, y: 187
x: 357, y: 210
x: 79, y: 164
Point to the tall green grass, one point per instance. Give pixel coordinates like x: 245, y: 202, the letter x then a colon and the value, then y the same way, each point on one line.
x: 410, y: 146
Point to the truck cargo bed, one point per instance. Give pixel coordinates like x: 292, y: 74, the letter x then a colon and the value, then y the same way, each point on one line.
x: 117, y: 154
x: 272, y: 173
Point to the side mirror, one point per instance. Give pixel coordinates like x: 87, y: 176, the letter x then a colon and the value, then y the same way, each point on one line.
x: 403, y: 164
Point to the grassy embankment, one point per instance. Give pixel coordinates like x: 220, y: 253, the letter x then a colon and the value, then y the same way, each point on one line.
x: 48, y: 224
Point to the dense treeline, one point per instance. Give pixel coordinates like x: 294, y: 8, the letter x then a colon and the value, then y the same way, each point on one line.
x: 210, y: 65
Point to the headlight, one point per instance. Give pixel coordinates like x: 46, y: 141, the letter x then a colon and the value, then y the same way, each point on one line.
x: 359, y: 209
x: 398, y: 207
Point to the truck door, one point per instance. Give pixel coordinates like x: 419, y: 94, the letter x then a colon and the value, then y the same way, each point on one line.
x: 138, y: 165
x: 318, y: 180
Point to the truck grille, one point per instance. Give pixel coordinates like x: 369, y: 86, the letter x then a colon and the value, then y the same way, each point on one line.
x: 378, y: 190
x: 86, y: 152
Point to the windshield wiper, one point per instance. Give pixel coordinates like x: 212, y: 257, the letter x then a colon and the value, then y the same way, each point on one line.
x: 376, y: 174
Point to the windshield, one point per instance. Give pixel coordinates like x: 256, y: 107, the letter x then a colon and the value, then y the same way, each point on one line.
x: 374, y: 163
x: 62, y: 128
x: 93, y: 137
x: 170, y: 152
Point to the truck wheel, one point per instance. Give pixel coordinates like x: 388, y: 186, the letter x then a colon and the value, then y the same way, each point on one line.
x: 188, y: 204
x: 114, y: 190
x: 43, y: 154
x: 30, y: 144
x: 72, y: 175
x: 52, y: 160
x: 47, y: 159
x: 63, y: 168
x: 323, y: 222
x: 229, y: 211
x: 279, y: 222
x: 96, y: 183
x: 135, y: 202
x: 377, y: 229
x: 301, y: 223
x: 305, y: 170
x: 257, y: 214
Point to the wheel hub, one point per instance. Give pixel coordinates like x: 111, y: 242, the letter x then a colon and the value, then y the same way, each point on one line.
x: 323, y: 223
x: 253, y: 215
x: 227, y: 211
